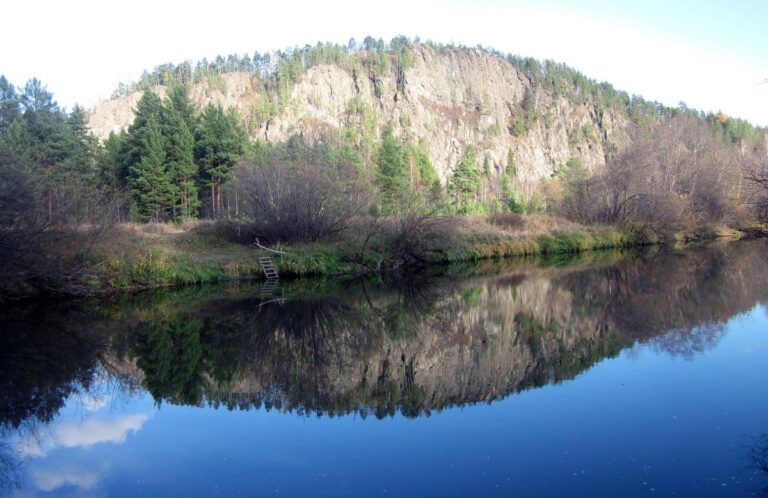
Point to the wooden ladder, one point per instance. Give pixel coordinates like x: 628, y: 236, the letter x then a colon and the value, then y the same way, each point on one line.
x: 269, y: 269
x: 268, y: 288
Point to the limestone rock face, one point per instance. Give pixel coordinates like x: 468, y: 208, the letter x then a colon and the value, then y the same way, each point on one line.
x: 448, y: 99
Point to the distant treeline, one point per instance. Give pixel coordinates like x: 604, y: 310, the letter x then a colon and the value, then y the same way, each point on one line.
x: 280, y: 69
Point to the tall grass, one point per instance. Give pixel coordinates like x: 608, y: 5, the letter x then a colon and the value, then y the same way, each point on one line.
x: 142, y: 256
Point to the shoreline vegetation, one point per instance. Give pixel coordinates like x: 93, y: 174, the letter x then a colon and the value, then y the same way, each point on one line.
x: 135, y: 257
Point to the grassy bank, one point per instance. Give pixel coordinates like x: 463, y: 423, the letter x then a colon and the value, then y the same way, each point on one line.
x: 144, y: 256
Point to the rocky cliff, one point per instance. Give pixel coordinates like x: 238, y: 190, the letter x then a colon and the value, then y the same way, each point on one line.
x: 447, y: 99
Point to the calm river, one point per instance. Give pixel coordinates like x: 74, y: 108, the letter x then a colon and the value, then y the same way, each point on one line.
x: 632, y: 374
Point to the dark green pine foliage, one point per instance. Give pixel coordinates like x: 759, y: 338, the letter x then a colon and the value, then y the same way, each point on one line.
x: 113, y: 161
x: 220, y: 142
x: 180, y: 163
x: 429, y: 181
x: 149, y: 181
x: 9, y: 104
x: 149, y: 108
x: 124, y: 150
x: 50, y: 151
x: 511, y: 168
x: 393, y: 175
x: 509, y: 198
x: 50, y: 143
x: 82, y: 157
x: 178, y: 99
x: 180, y: 120
x: 465, y: 182
x: 21, y: 200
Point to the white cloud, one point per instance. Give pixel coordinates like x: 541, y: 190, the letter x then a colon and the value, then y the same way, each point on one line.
x: 93, y: 402
x: 52, y: 479
x: 83, y: 435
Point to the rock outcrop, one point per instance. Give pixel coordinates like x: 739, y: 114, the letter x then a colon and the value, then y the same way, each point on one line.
x: 447, y: 99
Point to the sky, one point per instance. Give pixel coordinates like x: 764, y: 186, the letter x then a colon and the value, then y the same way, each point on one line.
x: 713, y: 55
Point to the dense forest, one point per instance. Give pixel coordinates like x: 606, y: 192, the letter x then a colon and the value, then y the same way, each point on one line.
x: 178, y: 162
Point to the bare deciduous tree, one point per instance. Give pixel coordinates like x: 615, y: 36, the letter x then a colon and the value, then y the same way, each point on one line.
x: 301, y: 197
x: 755, y: 168
x: 680, y: 172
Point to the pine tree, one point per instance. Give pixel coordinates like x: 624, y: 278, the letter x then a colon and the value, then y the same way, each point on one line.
x: 114, y: 162
x: 486, y: 180
x: 178, y: 99
x: 392, y: 162
x: 180, y: 163
x: 82, y: 157
x: 220, y: 143
x: 50, y: 139
x: 9, y: 104
x: 429, y: 181
x: 511, y: 169
x: 149, y: 181
x: 149, y: 108
x: 465, y: 181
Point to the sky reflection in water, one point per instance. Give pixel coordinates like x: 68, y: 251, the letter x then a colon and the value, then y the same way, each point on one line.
x: 627, y: 377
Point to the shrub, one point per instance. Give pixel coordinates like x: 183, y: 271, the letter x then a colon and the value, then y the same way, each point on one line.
x: 507, y: 221
x: 301, y: 194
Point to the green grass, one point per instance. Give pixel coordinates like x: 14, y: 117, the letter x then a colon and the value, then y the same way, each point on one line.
x: 140, y: 261
x: 556, y: 243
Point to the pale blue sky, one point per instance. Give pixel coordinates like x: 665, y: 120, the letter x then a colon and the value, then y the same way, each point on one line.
x: 711, y: 54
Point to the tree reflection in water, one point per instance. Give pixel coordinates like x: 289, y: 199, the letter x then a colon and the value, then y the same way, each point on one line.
x: 412, y: 346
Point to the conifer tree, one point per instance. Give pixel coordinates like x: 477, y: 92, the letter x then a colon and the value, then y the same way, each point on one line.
x: 114, y: 164
x: 429, y: 181
x: 9, y: 104
x: 49, y: 139
x: 465, y: 181
x: 220, y: 143
x: 392, y: 162
x: 486, y: 180
x: 149, y: 108
x: 511, y: 169
x: 82, y: 157
x: 178, y: 99
x: 180, y: 163
x: 149, y: 181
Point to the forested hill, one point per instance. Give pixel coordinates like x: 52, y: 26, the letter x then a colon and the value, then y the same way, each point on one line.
x: 515, y: 120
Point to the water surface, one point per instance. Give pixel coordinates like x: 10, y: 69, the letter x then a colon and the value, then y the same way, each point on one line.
x: 621, y: 375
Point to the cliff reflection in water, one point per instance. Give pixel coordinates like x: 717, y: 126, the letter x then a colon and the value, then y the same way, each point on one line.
x: 412, y: 348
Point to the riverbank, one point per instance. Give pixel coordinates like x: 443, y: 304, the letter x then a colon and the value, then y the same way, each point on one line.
x: 135, y: 257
